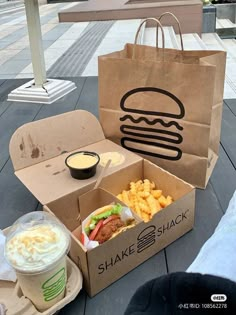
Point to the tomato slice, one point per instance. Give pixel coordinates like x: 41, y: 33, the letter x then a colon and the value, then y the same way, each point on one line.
x: 110, y: 218
x: 95, y: 231
x: 82, y: 238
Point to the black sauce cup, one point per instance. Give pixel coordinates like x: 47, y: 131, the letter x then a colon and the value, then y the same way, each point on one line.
x: 83, y: 173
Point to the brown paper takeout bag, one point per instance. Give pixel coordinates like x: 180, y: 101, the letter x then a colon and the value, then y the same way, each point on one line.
x: 166, y: 105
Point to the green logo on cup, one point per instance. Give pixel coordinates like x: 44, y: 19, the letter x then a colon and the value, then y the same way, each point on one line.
x: 54, y: 285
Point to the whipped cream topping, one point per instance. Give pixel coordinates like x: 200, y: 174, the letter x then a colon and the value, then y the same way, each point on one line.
x: 37, y: 247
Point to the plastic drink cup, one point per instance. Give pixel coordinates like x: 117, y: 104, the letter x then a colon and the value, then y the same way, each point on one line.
x: 36, y: 247
x: 46, y: 288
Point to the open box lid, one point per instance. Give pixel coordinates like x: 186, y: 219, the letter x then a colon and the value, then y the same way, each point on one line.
x: 38, y: 151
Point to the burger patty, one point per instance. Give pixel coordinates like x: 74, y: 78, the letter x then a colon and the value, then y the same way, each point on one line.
x: 107, y: 230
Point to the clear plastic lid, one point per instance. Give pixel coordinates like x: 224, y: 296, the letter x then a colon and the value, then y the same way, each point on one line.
x: 35, y: 242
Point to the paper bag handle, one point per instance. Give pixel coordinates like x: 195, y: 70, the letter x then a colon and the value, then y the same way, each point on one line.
x: 179, y: 27
x: 138, y: 31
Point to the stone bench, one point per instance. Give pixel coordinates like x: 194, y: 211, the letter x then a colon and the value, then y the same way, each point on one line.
x: 189, y: 12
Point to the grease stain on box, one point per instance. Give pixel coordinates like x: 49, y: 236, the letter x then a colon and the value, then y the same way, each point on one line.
x: 22, y: 148
x: 59, y: 172
x: 35, y: 152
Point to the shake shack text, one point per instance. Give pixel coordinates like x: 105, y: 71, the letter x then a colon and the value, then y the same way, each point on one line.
x: 145, y: 239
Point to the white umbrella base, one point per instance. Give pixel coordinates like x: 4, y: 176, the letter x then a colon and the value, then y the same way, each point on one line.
x: 48, y: 93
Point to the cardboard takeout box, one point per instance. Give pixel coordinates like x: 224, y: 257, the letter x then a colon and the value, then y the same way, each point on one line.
x: 37, y: 152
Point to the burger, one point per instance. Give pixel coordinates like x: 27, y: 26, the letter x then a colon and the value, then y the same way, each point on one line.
x: 149, y: 134
x: 106, y: 223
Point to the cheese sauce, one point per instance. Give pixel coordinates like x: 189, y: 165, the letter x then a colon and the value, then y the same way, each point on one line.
x: 82, y: 161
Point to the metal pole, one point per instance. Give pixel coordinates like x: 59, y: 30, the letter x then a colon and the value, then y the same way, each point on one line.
x: 35, y: 40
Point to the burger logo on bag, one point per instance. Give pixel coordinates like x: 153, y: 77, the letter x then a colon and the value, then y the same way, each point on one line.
x: 142, y: 135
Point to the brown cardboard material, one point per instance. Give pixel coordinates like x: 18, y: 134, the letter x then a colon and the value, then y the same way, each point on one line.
x: 98, y: 197
x: 116, y: 257
x: 36, y: 151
